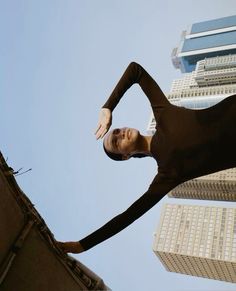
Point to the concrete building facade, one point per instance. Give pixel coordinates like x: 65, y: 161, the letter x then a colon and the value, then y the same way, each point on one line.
x: 198, y: 241
x: 217, y: 186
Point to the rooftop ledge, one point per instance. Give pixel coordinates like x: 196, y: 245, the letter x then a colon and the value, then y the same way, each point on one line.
x: 29, y: 257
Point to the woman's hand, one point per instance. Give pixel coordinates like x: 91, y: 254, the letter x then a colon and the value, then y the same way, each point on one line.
x: 70, y: 247
x: 104, y: 122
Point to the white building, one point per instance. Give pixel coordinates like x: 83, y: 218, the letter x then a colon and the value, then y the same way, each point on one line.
x: 198, y: 241
x: 217, y: 186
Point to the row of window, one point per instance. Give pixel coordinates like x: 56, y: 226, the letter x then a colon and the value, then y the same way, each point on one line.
x: 171, y: 207
x: 201, y: 93
x: 198, y: 266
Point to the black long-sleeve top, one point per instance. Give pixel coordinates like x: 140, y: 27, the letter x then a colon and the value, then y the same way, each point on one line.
x: 187, y: 144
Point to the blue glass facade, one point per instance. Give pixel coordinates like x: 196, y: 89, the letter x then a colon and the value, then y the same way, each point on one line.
x: 208, y: 42
x: 214, y: 24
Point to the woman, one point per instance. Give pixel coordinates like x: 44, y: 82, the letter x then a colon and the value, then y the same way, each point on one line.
x: 187, y: 144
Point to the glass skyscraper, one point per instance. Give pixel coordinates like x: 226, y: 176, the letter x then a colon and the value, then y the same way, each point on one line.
x: 206, y: 39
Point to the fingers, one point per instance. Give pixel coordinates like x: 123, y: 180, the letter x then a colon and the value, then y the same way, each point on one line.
x: 70, y: 247
x: 101, y: 132
x: 105, y: 119
x: 66, y: 247
x: 62, y: 246
x: 99, y: 126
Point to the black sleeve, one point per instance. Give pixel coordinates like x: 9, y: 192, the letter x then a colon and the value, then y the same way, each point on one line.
x: 157, y: 190
x: 135, y: 73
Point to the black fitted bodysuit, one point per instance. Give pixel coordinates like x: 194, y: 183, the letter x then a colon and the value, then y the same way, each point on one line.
x: 187, y: 144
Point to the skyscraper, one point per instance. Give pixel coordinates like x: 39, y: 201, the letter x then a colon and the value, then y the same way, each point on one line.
x: 198, y: 240
x: 217, y: 186
x: 203, y: 40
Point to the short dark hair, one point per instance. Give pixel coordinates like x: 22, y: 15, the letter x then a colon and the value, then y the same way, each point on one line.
x: 116, y: 157
x: 119, y: 157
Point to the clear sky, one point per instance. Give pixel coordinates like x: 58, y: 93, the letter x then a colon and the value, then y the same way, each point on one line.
x: 59, y: 61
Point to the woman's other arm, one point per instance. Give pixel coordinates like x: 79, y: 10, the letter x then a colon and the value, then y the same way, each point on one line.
x: 157, y: 190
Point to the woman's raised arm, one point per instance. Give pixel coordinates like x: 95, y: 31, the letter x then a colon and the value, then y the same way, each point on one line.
x: 135, y: 73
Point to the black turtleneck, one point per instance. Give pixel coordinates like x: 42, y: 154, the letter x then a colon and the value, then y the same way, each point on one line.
x: 187, y: 144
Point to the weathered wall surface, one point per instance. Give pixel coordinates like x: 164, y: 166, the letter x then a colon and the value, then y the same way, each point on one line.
x: 29, y: 257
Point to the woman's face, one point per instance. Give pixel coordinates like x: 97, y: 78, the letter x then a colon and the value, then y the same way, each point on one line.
x: 121, y: 140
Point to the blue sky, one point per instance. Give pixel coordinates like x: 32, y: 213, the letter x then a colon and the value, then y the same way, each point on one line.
x: 59, y: 62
